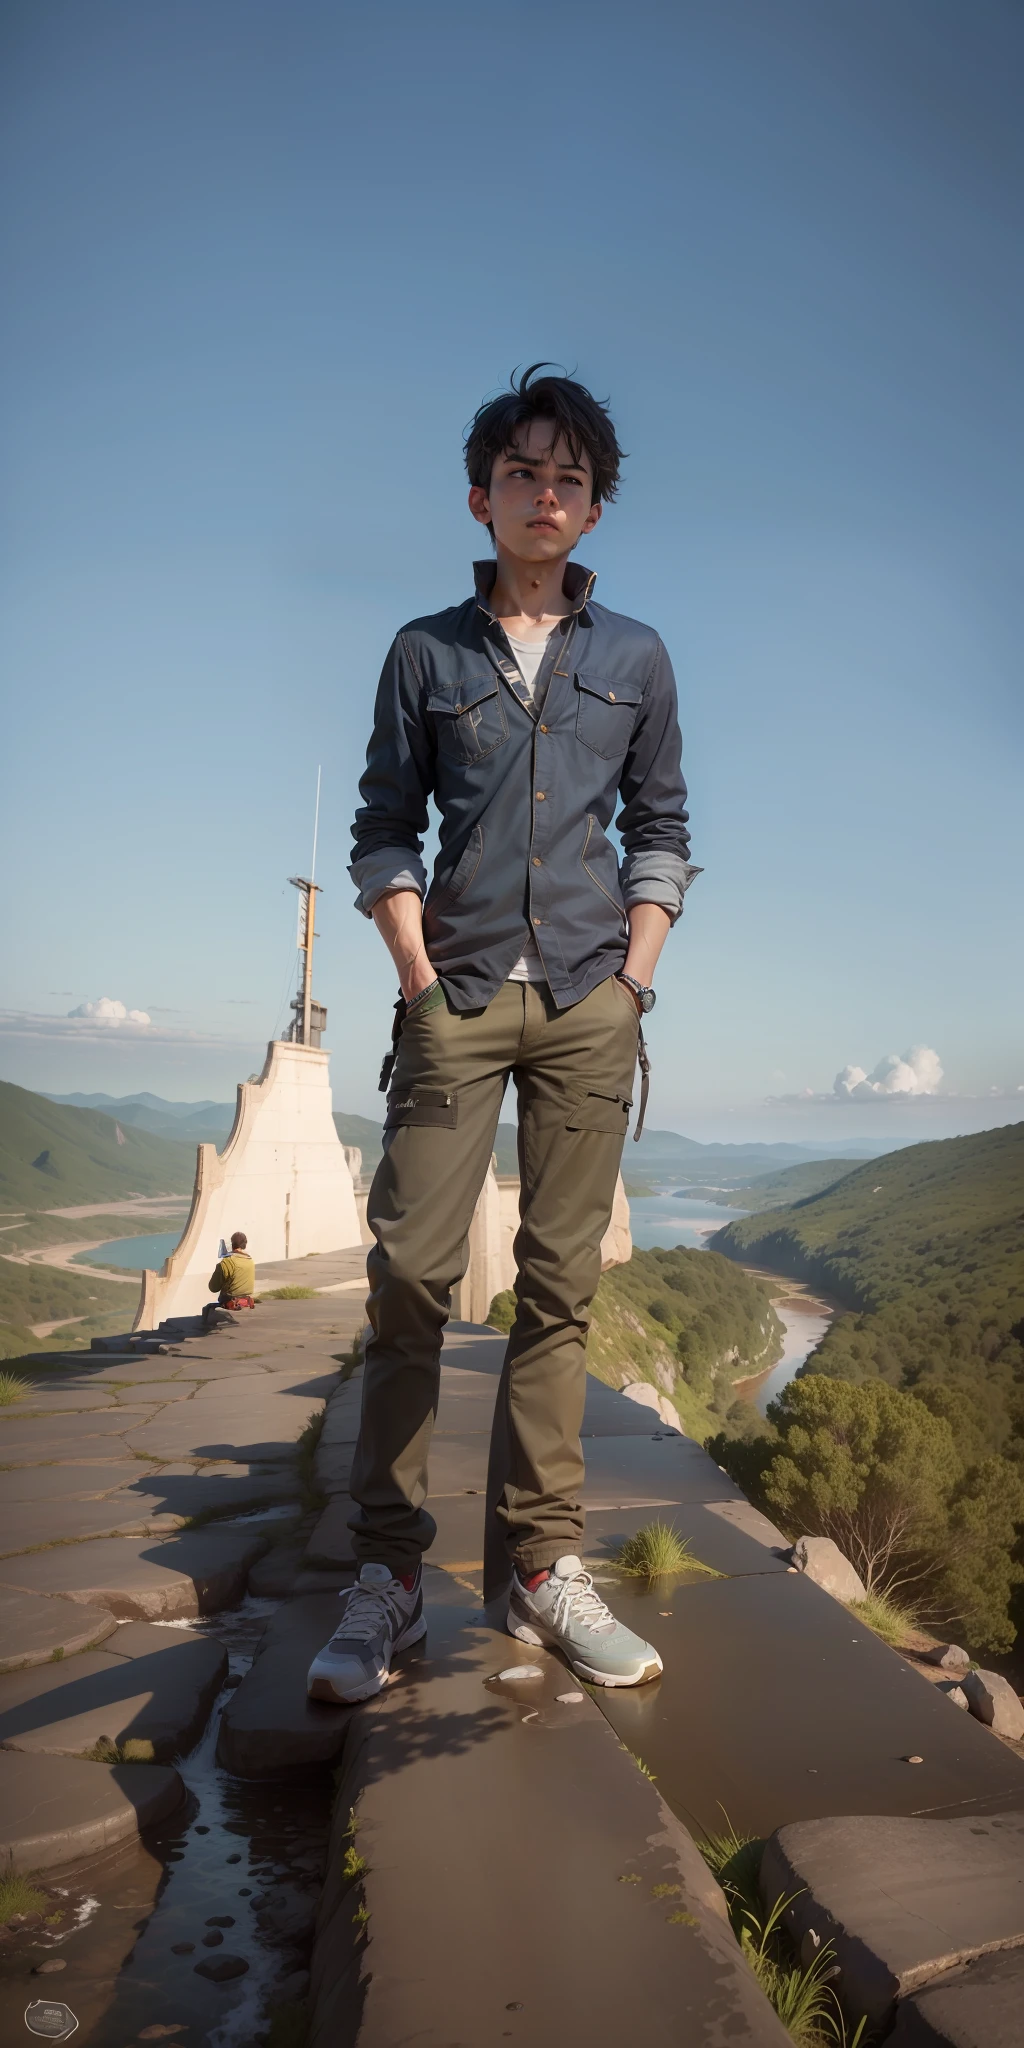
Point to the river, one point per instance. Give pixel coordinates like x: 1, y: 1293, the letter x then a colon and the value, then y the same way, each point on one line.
x: 668, y: 1220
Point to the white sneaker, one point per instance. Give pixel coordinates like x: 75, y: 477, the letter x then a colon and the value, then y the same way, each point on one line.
x: 565, y: 1613
x: 380, y: 1616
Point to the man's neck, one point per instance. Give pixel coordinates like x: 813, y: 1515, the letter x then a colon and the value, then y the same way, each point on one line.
x: 528, y: 597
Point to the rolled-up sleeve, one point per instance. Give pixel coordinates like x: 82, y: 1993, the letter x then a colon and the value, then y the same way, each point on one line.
x: 654, y: 820
x: 388, y: 831
x: 377, y: 874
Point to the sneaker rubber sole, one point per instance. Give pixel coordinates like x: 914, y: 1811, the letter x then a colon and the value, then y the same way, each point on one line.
x: 541, y: 1638
x: 325, y: 1688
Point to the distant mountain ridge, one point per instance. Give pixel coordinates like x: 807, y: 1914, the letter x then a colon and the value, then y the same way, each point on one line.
x: 55, y: 1155
x: 664, y: 1155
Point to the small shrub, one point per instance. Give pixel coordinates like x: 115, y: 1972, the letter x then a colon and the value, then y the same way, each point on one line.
x: 289, y: 1294
x: 889, y: 1618
x: 12, y: 1388
x: 306, y: 1448
x: 19, y: 1895
x: 657, y: 1550
x: 502, y: 1312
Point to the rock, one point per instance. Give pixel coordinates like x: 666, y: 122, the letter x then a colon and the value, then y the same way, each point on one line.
x: 954, y: 1692
x: 948, y: 1657
x: 56, y: 1809
x: 33, y: 1631
x: 220, y: 1920
x: 214, y: 1939
x: 51, y: 1968
x: 992, y: 1699
x: 197, y: 1572
x: 162, y: 2033
x: 976, y: 2006
x: 269, y: 1727
x: 823, y: 1561
x: 149, y: 1687
x: 182, y: 1948
x: 288, y: 1916
x: 220, y: 1969
x: 648, y: 1397
x: 900, y: 1900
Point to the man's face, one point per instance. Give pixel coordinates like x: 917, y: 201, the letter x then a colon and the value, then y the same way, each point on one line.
x: 539, y: 500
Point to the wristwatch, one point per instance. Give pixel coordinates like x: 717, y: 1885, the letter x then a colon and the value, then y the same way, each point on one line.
x: 645, y: 996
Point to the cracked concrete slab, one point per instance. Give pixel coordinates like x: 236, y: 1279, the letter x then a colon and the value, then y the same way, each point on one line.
x: 901, y: 1900
x: 42, y: 1442
x: 268, y: 1726
x: 69, y: 1482
x: 455, y: 1782
x: 35, y: 1631
x: 151, y: 1687
x: 978, y: 2005
x: 144, y: 1578
x: 56, y: 1810
x: 261, y: 1428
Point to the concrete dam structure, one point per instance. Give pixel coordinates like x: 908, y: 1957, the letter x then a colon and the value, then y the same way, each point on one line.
x: 283, y: 1177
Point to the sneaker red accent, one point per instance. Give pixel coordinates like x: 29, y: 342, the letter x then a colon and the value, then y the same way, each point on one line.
x: 536, y: 1579
x: 407, y: 1579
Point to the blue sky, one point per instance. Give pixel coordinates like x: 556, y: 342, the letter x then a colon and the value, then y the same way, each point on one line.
x: 262, y: 262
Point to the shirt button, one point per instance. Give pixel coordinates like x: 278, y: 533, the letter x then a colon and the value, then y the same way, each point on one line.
x: 536, y: 862
x: 543, y: 728
x: 540, y: 796
x: 611, y: 696
x: 536, y: 920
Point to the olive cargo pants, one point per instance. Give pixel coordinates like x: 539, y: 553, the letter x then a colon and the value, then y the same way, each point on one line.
x: 573, y: 1072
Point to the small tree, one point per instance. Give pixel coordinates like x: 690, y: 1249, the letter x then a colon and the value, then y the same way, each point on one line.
x: 882, y: 1475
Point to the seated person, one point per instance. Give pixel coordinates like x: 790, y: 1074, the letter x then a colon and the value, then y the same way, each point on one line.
x: 233, y: 1280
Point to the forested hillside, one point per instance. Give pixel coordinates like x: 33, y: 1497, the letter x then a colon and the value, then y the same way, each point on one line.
x: 53, y: 1156
x: 687, y: 1322
x: 927, y: 1245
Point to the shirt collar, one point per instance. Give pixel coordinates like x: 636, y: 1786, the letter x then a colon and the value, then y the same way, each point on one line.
x: 577, y: 584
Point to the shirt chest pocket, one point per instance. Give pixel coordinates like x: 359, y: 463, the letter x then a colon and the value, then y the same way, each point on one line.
x: 468, y: 718
x: 606, y: 714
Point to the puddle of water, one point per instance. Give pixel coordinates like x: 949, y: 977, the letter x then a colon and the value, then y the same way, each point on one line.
x: 125, y: 1913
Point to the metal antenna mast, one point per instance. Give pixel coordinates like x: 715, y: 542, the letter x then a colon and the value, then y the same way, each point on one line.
x: 310, y: 1017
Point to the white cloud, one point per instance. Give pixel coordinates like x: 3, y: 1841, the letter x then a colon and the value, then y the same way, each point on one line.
x: 917, y: 1073
x: 109, y: 1011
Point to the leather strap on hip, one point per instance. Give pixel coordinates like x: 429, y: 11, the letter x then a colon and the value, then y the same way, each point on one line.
x: 645, y: 1083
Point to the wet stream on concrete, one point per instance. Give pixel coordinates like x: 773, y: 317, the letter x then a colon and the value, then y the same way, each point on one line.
x: 136, y: 1922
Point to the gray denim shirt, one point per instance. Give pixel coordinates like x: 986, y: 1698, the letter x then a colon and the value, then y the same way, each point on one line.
x: 525, y: 795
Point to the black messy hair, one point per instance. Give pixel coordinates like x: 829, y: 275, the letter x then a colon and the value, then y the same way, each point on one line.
x: 580, y: 420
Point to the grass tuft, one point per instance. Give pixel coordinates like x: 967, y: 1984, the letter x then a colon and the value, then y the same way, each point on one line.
x: 13, y: 1388
x: 135, y: 1750
x: 289, y: 1294
x: 889, y: 1618
x: 803, y: 1998
x: 19, y: 1895
x: 657, y: 1550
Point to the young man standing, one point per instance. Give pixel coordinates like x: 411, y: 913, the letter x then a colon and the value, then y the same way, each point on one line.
x: 527, y: 712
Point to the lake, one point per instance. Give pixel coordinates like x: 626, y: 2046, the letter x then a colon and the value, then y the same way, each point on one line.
x: 668, y: 1220
x: 135, y: 1252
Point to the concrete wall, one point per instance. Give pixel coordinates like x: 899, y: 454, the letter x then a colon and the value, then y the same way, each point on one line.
x: 283, y: 1177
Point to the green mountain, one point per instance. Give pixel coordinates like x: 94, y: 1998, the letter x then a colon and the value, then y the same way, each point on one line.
x: 774, y: 1190
x: 686, y: 1322
x: 53, y: 1156
x: 926, y: 1245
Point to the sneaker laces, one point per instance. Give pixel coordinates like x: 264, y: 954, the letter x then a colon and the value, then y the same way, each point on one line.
x: 367, y: 1610
x: 576, y: 1600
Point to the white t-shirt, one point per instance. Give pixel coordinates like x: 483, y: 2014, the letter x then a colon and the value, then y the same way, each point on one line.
x: 529, y: 654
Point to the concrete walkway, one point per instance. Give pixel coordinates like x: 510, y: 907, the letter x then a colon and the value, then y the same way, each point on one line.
x: 132, y: 1497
